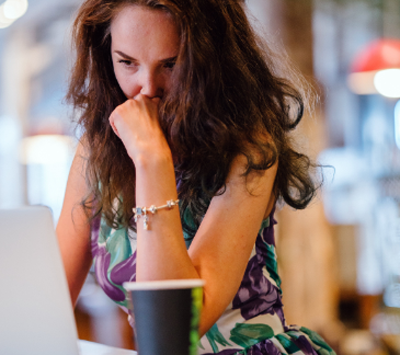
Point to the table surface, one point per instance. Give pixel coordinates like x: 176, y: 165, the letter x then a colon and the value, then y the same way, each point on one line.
x: 89, y: 348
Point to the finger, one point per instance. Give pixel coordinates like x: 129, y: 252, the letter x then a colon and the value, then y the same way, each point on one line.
x: 138, y: 97
x: 114, y: 128
x: 145, y: 98
x: 156, y: 100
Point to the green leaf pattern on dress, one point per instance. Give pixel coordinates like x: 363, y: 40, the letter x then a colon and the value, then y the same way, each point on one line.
x: 214, y: 336
x: 316, y: 339
x: 272, y: 265
x: 119, y: 247
x: 287, y: 343
x: 232, y: 333
x: 246, y: 335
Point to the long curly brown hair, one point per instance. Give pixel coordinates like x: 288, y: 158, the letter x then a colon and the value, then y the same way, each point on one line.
x: 226, y: 99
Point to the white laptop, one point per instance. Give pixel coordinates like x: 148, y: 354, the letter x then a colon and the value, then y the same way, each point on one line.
x: 36, y: 315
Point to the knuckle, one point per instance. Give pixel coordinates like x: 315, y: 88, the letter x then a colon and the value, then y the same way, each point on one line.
x: 119, y: 110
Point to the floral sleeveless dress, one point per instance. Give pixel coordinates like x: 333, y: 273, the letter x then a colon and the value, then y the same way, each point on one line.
x: 253, y: 324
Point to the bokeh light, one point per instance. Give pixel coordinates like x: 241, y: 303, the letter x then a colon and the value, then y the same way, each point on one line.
x: 14, y: 9
x: 4, y: 20
x: 387, y: 82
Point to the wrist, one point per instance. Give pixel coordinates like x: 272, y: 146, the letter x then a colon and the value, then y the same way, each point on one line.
x: 156, y: 161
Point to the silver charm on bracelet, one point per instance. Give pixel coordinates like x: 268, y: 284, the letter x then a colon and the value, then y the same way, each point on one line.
x: 143, y: 211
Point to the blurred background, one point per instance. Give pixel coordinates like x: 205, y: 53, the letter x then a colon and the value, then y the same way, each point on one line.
x: 340, y: 258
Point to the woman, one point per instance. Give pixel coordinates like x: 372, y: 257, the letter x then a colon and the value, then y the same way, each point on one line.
x: 178, y: 101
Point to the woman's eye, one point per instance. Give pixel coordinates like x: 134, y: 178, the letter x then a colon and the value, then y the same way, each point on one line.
x: 128, y: 63
x: 169, y: 65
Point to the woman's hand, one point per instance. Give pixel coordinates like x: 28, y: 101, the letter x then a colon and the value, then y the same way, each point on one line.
x: 136, y: 123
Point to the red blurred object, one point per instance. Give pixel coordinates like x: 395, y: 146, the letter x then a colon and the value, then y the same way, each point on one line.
x: 378, y: 55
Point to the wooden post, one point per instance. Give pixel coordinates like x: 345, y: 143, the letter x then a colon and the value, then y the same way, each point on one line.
x: 305, y: 239
x: 306, y: 247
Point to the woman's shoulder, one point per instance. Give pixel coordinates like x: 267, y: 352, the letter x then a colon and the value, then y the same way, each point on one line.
x: 241, y: 181
x: 258, y: 157
x: 256, y: 167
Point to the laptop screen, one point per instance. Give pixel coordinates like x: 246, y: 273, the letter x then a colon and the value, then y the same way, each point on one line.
x: 36, y: 315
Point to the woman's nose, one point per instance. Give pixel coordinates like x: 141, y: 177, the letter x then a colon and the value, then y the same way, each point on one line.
x: 150, y: 84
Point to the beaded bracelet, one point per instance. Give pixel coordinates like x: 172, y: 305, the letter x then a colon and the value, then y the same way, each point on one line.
x: 142, y: 211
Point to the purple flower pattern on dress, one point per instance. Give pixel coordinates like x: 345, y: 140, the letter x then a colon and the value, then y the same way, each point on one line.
x: 305, y: 346
x: 102, y: 264
x: 124, y: 271
x: 121, y: 272
x: 227, y: 352
x: 257, y: 295
x: 262, y: 348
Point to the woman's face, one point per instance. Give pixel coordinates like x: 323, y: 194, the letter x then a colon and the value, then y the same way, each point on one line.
x: 144, y: 47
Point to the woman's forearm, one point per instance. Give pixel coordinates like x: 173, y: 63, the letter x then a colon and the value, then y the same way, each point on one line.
x: 161, y: 250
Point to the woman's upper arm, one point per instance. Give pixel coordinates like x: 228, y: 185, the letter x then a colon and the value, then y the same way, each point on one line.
x: 73, y: 229
x: 222, y: 246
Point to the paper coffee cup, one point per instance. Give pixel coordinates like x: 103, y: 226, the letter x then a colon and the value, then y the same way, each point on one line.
x: 167, y: 315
